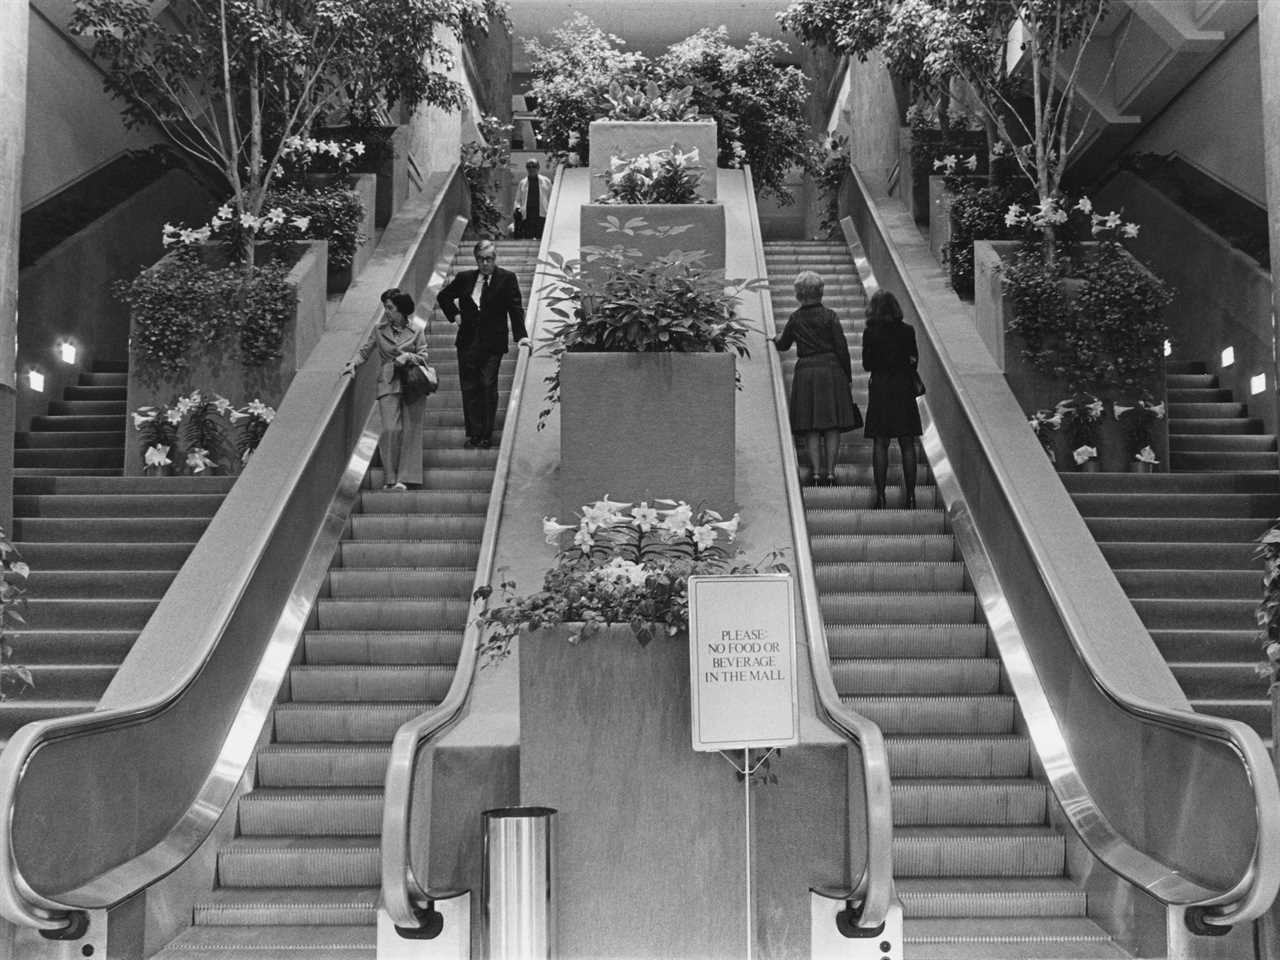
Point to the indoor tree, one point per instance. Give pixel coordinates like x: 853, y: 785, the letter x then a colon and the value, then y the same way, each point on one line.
x: 231, y: 82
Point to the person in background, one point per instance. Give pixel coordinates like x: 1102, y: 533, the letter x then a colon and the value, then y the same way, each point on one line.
x: 889, y: 353
x: 399, y: 338
x: 533, y: 193
x: 482, y: 302
x: 821, y: 406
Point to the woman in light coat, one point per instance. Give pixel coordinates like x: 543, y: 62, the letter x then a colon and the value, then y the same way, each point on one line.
x: 399, y: 338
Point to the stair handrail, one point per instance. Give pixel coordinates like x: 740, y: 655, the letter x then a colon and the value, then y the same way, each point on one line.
x: 1254, y: 893
x: 405, y: 897
x: 322, y: 402
x: 875, y: 886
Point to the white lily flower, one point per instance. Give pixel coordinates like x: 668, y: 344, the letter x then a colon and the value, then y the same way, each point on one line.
x: 1129, y: 230
x: 198, y: 460
x: 583, y: 540
x: 302, y: 223
x: 644, y: 517
x: 729, y: 526
x: 703, y: 536
x: 1083, y: 453
x: 157, y: 455
x: 1146, y: 455
x: 1084, y: 206
x: 551, y: 529
x: 1120, y: 409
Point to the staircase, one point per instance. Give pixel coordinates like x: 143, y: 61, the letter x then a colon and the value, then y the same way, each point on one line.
x: 1181, y: 542
x: 102, y: 547
x: 303, y: 872
x: 981, y: 872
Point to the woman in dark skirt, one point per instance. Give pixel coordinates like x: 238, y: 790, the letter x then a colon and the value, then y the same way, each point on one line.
x: 821, y: 401
x: 889, y: 354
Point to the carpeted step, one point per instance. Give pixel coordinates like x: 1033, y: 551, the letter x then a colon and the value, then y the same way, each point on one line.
x: 1215, y: 425
x: 1173, y: 556
x: 1223, y: 460
x: 117, y: 485
x: 79, y: 458
x: 98, y: 377
x: 966, y: 801
x: 1177, y: 645
x: 1168, y: 504
x: 78, y: 423
x: 1213, y: 681
x: 104, y: 613
x: 1175, y: 529
x: 1180, y: 482
x: 1194, y: 404
x: 46, y: 471
x: 962, y: 676
x: 71, y: 681
x: 91, y: 556
x: 58, y: 440
x: 203, y: 505
x: 95, y: 393
x: 1209, y: 613
x: 1226, y: 443
x: 50, y: 646
x: 73, y: 408
x: 1189, y: 584
x: 91, y: 585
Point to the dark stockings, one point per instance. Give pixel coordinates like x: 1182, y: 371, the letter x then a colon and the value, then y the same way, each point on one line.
x: 880, y: 468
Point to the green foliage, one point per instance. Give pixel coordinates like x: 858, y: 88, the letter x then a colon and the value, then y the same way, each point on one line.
x: 182, y: 304
x: 1106, y: 334
x: 627, y: 565
x: 759, y: 106
x: 200, y: 432
x: 621, y: 303
x: 977, y: 213
x: 650, y: 102
x: 333, y: 212
x: 481, y: 161
x: 832, y: 167
x: 665, y: 176
x: 14, y: 679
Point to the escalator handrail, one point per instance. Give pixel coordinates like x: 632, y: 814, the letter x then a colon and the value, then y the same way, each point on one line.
x: 875, y: 887
x: 403, y: 895
x: 1253, y: 894
x: 19, y: 902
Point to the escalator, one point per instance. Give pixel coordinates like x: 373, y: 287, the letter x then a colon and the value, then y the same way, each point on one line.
x: 302, y: 872
x: 981, y: 871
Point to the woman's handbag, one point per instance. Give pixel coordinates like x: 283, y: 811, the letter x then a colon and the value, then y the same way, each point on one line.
x: 417, y: 380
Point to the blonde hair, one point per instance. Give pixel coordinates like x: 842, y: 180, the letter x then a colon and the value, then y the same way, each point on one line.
x: 809, y: 287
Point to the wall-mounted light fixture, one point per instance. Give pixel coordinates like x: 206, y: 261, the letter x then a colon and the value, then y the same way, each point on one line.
x: 67, y: 351
x: 1257, y: 384
x: 1228, y: 356
x: 35, y: 380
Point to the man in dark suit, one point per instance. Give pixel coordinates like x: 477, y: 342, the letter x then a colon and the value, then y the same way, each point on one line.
x: 482, y: 302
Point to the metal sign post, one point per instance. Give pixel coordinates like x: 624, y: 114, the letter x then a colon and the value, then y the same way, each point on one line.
x: 743, y: 678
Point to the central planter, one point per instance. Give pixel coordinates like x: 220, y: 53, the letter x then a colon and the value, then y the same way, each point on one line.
x: 649, y: 833
x: 631, y: 138
x: 993, y: 311
x: 656, y: 229
x: 643, y: 425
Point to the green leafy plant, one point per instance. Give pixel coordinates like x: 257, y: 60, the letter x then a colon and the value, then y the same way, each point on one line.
x: 977, y: 213
x: 626, y: 564
x: 621, y: 303
x: 650, y: 102
x: 831, y: 170
x: 1044, y: 424
x: 200, y: 432
x: 664, y: 176
x: 15, y: 679
x: 1081, y: 417
x: 1138, y: 419
x: 481, y: 162
x: 251, y: 423
x: 182, y: 304
x: 331, y: 212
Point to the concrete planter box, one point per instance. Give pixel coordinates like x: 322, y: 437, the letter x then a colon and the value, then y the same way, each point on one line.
x: 992, y: 312
x: 940, y: 199
x: 366, y: 187
x: 643, y: 425
x: 211, y: 369
x: 630, y: 138
x: 700, y: 226
x: 913, y: 185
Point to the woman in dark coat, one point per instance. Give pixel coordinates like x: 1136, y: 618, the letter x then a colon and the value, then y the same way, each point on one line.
x: 821, y: 398
x: 399, y: 338
x: 889, y: 354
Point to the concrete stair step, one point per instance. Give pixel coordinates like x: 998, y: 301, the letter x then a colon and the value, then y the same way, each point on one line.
x: 1182, y: 482
x: 71, y: 647
x: 1197, y: 505
x: 1175, y: 529
x: 1150, y: 556
x: 111, y: 613
x: 1217, y: 681
x: 1182, y: 646
x: 1210, y: 613
x: 117, y: 485
x: 105, y: 530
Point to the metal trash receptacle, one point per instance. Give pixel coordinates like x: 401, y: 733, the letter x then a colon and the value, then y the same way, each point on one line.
x: 519, y: 883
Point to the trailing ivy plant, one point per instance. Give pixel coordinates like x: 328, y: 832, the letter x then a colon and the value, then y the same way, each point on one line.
x: 482, y: 160
x: 14, y: 678
x: 182, y: 304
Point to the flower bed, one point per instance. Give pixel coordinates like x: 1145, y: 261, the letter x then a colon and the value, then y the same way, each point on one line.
x: 632, y: 138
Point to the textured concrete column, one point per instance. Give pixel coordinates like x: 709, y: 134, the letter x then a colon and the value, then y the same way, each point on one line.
x: 13, y: 114
x: 1269, y: 57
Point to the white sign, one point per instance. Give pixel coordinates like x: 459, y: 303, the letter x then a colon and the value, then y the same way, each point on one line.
x: 742, y: 661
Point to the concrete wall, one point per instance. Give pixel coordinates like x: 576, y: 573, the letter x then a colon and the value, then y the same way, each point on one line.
x: 872, y: 120
x: 72, y: 125
x: 1216, y: 122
